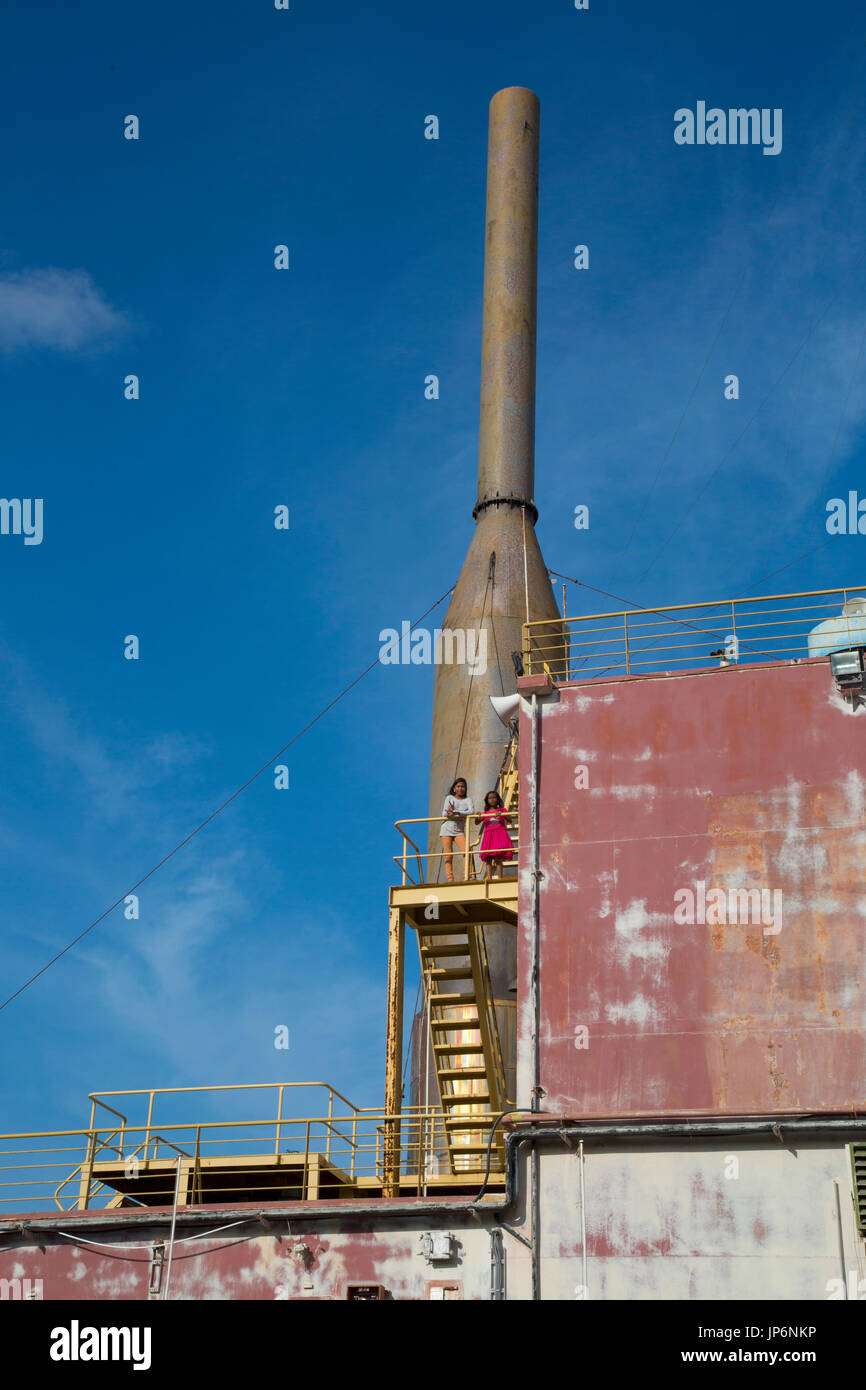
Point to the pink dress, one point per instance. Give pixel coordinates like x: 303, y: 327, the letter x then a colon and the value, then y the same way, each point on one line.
x: 495, y: 839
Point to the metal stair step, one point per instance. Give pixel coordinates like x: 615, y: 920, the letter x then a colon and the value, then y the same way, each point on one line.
x: 456, y: 1149
x: 455, y: 953
x: 461, y: 1074
x: 442, y: 929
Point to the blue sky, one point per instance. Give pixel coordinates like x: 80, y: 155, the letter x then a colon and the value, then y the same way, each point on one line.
x: 306, y: 387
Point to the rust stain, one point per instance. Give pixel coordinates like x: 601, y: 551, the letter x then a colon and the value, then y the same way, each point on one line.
x: 778, y: 1080
x: 756, y: 784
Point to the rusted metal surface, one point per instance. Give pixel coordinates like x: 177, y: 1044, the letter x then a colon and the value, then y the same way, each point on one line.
x: 718, y: 1220
x: 506, y: 444
x: 467, y: 737
x: 297, y: 1258
x: 734, y: 779
x: 503, y: 581
x: 714, y: 1221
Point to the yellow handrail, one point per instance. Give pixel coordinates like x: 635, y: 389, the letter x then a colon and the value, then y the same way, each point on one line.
x: 618, y: 643
x: 353, y: 1147
x: 467, y: 853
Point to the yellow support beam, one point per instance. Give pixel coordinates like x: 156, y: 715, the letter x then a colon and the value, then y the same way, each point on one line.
x: 394, y: 1053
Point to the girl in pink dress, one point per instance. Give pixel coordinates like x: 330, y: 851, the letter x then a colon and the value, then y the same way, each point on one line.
x: 496, y: 845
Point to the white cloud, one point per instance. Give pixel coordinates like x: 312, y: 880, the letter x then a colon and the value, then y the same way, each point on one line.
x: 54, y: 308
x: 170, y: 949
x: 54, y: 730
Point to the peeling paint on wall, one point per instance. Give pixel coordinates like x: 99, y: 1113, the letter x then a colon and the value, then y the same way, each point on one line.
x: 752, y: 786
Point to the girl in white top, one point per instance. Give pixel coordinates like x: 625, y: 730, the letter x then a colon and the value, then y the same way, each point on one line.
x: 458, y: 805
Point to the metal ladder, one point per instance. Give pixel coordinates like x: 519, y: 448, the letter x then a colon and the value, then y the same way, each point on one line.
x: 508, y: 782
x: 465, y: 1041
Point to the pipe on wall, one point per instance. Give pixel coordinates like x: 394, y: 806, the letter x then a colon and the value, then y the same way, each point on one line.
x: 582, y: 1162
x: 535, y: 1007
x: 648, y: 1131
x: 497, y: 1267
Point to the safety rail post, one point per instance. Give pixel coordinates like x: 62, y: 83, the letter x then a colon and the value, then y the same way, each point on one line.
x: 279, y: 1120
x: 625, y: 635
x: 95, y: 1100
x: 87, y: 1173
x: 149, y: 1122
x: 418, y: 1122
x: 196, y: 1172
x: 847, y: 615
x: 402, y: 860
x: 734, y: 630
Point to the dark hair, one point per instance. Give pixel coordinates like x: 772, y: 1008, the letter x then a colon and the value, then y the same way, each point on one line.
x: 456, y: 782
x: 487, y: 798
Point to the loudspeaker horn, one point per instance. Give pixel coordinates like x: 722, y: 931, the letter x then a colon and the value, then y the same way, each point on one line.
x: 506, y: 706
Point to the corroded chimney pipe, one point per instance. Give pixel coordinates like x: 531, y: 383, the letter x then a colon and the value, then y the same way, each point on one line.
x: 506, y: 442
x: 504, y: 579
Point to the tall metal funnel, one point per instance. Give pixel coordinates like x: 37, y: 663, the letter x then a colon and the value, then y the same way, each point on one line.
x: 503, y: 581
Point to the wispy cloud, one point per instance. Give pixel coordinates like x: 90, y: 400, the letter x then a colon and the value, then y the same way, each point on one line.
x: 169, y: 951
x: 190, y: 986
x: 54, y: 731
x: 114, y: 778
x: 54, y: 308
x: 195, y: 985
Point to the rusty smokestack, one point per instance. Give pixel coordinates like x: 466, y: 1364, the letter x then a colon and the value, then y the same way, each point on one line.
x: 495, y: 589
x: 504, y: 578
x: 506, y: 440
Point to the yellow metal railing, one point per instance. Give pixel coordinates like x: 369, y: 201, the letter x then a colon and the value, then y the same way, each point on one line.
x: 278, y: 1088
x: 420, y: 866
x: 278, y: 1158
x: 727, y: 632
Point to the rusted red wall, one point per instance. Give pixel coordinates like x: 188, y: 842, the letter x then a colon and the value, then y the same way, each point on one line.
x: 744, y: 777
x: 243, y: 1261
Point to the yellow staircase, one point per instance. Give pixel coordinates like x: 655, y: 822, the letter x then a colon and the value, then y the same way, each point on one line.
x: 449, y: 920
x: 508, y: 783
x: 463, y: 1030
x: 465, y: 1041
